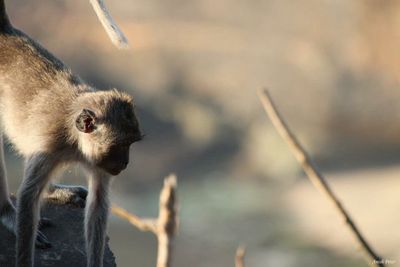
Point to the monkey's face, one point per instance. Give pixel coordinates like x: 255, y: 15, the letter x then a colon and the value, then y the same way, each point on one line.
x: 108, y: 136
x: 115, y: 160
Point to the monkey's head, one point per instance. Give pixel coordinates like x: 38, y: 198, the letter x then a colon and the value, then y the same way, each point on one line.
x: 107, y: 127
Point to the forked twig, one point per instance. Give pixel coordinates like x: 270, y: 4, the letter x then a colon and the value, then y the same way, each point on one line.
x: 165, y: 226
x: 239, y: 258
x: 315, y: 176
x: 116, y: 35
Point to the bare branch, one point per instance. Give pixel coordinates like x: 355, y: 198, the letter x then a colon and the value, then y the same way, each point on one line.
x: 165, y: 226
x: 167, y: 221
x: 315, y: 176
x: 239, y: 259
x: 142, y: 224
x: 116, y: 35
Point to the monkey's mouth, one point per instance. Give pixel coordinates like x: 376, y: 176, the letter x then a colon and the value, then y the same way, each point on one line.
x: 114, y: 171
x: 113, y: 168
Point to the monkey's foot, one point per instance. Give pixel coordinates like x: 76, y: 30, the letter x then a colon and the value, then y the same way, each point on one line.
x: 65, y: 194
x: 42, y: 241
x: 8, y: 216
x: 8, y: 219
x: 44, y: 222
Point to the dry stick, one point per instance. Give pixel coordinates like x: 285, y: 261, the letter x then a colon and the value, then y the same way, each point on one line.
x: 165, y: 226
x: 145, y: 225
x: 315, y: 177
x: 167, y: 221
x: 116, y: 35
x: 239, y: 259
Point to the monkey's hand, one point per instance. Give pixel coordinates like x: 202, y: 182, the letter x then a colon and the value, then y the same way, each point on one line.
x: 8, y: 219
x: 65, y: 194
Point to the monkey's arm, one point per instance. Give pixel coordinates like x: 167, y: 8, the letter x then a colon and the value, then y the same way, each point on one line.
x: 96, y: 214
x: 37, y: 173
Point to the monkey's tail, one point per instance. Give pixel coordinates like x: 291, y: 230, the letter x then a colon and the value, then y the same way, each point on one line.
x: 4, y: 21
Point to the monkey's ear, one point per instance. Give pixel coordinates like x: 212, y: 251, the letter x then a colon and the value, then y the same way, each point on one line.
x: 85, y: 122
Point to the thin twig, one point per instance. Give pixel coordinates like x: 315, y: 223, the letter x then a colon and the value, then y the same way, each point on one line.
x: 116, y: 35
x: 142, y: 224
x: 315, y: 176
x: 165, y: 226
x: 239, y: 258
x: 167, y: 222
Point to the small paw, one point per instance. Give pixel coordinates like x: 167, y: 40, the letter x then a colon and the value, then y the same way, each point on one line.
x: 41, y: 241
x: 8, y: 216
x: 44, y: 223
x: 63, y: 194
x: 8, y: 219
x: 78, y: 201
x: 81, y: 191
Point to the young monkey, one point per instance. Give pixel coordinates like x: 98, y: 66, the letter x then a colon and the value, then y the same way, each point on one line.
x: 53, y: 118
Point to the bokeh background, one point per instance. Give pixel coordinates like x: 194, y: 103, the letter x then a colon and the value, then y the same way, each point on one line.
x: 332, y: 66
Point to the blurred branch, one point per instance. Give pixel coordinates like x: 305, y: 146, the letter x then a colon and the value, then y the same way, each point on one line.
x: 315, y: 176
x: 239, y: 259
x: 167, y: 222
x: 116, y: 35
x: 142, y: 224
x: 165, y: 226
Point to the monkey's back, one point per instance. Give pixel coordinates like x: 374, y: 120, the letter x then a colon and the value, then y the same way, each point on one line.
x: 36, y: 90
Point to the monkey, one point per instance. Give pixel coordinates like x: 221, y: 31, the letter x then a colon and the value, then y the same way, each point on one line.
x: 54, y: 119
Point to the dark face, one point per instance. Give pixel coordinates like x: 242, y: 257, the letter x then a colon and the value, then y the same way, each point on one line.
x: 116, y: 160
x: 115, y: 139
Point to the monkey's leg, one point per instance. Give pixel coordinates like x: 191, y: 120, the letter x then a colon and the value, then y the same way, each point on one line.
x: 66, y: 194
x: 7, y: 210
x: 37, y: 173
x: 96, y: 215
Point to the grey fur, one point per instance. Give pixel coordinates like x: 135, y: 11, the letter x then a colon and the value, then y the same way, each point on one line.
x: 96, y: 214
x: 53, y: 119
x: 38, y: 170
x: 3, y: 174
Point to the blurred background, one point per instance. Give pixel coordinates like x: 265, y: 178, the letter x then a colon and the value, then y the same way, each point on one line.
x: 333, y: 68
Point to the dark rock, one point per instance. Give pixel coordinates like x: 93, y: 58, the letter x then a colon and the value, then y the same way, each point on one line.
x: 66, y: 236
